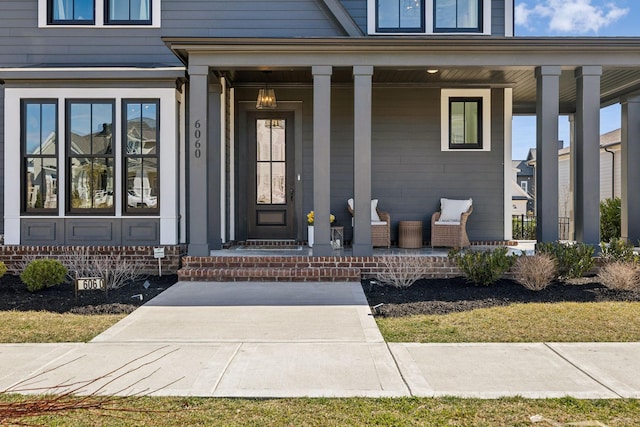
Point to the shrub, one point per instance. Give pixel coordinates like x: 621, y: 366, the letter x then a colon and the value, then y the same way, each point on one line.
x: 116, y: 270
x: 535, y: 272
x: 43, y: 273
x: 401, y: 272
x: 618, y: 250
x: 3, y: 269
x: 484, y: 267
x: 573, y: 260
x: 621, y: 276
x: 610, y: 219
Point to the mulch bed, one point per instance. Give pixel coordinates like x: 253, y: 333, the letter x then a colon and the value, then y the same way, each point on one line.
x: 62, y: 298
x: 443, y: 296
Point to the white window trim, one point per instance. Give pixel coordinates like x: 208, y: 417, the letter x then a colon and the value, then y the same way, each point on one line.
x: 428, y: 21
x: 156, y: 15
x: 524, y: 185
x: 485, y: 94
x: 168, y: 178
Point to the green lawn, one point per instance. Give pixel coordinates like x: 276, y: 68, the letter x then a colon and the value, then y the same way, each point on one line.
x: 559, y: 322
x: 159, y: 412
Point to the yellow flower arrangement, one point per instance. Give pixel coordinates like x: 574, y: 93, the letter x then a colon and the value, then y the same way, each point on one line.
x: 310, y: 218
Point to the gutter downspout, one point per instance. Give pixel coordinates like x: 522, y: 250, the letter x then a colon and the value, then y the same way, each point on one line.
x: 613, y: 172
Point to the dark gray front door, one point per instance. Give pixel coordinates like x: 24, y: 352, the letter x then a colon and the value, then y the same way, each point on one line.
x: 270, y: 169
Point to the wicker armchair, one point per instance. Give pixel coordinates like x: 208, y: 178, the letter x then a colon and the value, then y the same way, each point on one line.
x: 453, y: 235
x: 380, y: 233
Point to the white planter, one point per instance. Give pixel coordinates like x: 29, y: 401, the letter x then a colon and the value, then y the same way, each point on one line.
x: 310, y: 235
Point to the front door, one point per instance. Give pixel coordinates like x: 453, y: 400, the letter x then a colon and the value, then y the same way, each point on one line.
x: 271, y: 169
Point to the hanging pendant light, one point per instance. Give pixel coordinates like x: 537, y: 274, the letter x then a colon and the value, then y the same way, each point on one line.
x: 266, y: 96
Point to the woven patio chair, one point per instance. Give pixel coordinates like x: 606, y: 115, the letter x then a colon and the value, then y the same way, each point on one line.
x: 449, y: 225
x: 380, y: 227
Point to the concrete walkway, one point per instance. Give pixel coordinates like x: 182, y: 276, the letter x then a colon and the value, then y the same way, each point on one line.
x: 303, y: 339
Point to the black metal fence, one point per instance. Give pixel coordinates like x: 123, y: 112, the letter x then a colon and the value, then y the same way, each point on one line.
x: 524, y: 227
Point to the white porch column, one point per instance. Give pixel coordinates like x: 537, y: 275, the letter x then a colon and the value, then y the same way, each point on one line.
x: 630, y: 160
x: 198, y: 133
x: 587, y: 155
x: 362, y: 160
x: 322, y: 159
x: 547, y: 111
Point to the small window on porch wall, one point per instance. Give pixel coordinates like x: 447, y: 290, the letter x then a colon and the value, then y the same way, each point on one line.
x: 400, y: 16
x: 465, y: 119
x: 141, y: 133
x: 39, y: 134
x: 452, y: 16
x: 90, y: 158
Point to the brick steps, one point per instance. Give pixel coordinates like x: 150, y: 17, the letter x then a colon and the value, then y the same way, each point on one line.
x: 296, y: 268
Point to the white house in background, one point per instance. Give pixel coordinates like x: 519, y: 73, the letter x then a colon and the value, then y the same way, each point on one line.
x: 519, y: 197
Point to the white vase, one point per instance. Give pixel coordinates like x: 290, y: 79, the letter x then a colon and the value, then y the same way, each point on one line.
x: 310, y: 235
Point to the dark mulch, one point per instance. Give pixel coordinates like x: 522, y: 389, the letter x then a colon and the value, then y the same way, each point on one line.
x: 62, y: 298
x: 442, y: 296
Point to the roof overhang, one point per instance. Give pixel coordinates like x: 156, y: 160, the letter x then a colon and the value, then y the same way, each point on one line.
x: 91, y: 73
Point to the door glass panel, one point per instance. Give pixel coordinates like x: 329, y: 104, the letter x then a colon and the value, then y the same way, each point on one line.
x: 263, y: 184
x: 271, y: 168
x: 278, y: 185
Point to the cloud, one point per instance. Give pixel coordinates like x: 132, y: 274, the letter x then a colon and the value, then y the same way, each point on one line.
x: 577, y: 16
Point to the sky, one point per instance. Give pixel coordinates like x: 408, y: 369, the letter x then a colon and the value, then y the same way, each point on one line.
x: 584, y: 18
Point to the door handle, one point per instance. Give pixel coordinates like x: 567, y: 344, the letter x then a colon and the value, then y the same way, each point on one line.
x: 291, y: 193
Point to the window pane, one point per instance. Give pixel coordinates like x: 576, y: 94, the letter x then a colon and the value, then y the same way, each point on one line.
x: 48, y: 130
x: 263, y: 183
x: 32, y: 131
x: 134, y: 129
x: 278, y: 140
x: 142, y: 183
x: 149, y: 128
x: 445, y: 13
x: 278, y: 181
x: 80, y: 124
x: 411, y: 13
x: 34, y: 182
x: 62, y: 9
x: 263, y: 140
x: 129, y: 10
x: 457, y: 122
x: 91, y: 183
x: 102, y: 127
x: 468, y: 13
x: 142, y: 129
x: 471, y: 123
x: 50, y: 187
x: 83, y: 10
x: 388, y: 14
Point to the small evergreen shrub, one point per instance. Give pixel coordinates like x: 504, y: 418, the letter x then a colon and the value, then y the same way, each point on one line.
x: 573, y: 260
x: 535, y: 272
x: 620, y: 276
x: 484, y: 267
x: 43, y: 273
x: 618, y: 250
x: 3, y: 269
x: 610, y: 219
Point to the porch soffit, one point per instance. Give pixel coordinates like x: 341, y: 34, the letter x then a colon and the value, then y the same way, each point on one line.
x: 463, y: 62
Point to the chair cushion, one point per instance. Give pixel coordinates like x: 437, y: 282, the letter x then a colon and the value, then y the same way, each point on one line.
x: 447, y: 223
x: 374, y: 209
x: 378, y: 222
x: 452, y: 210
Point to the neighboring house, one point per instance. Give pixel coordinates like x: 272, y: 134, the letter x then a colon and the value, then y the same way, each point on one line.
x: 405, y: 102
x: 609, y: 179
x: 526, y: 181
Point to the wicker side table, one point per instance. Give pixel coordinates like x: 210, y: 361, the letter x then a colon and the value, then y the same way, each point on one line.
x: 410, y: 234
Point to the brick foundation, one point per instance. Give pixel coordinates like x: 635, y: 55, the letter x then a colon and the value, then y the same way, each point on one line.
x: 13, y: 256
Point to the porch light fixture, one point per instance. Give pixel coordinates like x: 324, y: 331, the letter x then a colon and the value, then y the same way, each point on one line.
x: 432, y: 71
x: 266, y: 96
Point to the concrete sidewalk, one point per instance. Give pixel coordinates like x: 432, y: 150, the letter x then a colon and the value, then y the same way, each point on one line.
x: 303, y: 339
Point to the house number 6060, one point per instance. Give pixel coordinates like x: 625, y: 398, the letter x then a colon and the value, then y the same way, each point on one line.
x: 197, y: 134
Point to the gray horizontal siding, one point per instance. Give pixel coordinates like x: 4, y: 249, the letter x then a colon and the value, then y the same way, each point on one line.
x: 23, y: 43
x: 358, y: 11
x: 409, y: 171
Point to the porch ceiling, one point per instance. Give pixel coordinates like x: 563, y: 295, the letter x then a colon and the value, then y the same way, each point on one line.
x: 615, y: 82
x: 462, y: 62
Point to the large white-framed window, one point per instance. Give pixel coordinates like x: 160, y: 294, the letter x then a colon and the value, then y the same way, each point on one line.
x: 99, y: 13
x: 429, y: 17
x: 81, y: 114
x: 465, y: 122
